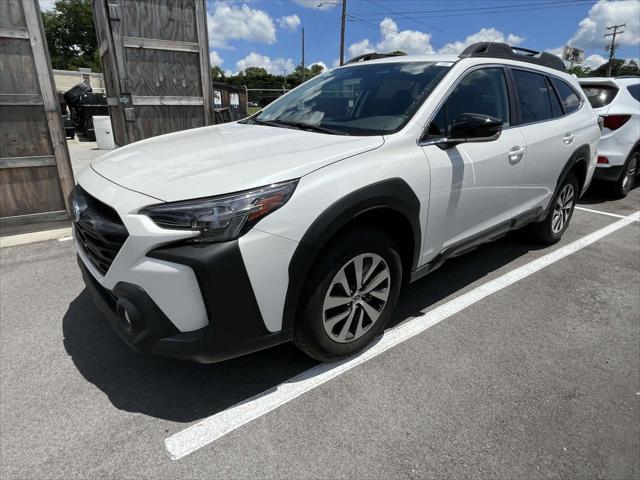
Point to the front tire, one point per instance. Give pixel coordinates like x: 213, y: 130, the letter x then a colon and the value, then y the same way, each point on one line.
x: 551, y: 229
x: 350, y: 294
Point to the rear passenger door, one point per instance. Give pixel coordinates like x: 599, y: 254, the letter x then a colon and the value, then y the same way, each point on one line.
x: 551, y: 133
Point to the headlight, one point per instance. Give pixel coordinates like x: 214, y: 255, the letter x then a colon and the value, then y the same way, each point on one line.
x: 222, y: 218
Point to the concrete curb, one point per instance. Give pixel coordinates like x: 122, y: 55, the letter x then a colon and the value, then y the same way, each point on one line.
x: 25, y: 238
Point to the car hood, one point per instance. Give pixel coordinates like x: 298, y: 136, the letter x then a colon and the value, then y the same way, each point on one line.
x: 224, y: 158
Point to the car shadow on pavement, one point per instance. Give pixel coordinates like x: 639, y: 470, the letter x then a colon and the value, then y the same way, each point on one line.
x: 185, y: 392
x: 602, y: 192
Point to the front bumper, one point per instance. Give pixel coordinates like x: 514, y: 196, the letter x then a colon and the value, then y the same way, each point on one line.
x: 235, y: 324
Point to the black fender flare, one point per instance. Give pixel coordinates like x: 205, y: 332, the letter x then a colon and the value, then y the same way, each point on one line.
x: 393, y: 193
x: 581, y: 153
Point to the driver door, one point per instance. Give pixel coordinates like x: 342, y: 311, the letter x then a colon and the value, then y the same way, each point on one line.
x: 474, y: 186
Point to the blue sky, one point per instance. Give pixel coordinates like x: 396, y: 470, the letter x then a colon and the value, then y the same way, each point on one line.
x: 266, y: 33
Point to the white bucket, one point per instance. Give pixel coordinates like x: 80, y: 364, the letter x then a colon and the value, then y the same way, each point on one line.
x: 104, y: 134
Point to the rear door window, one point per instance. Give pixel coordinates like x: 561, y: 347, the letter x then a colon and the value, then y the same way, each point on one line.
x: 599, y: 95
x: 533, y: 94
x: 634, y: 90
x: 569, y: 98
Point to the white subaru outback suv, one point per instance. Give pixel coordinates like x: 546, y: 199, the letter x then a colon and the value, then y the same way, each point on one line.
x: 617, y: 100
x: 303, y: 221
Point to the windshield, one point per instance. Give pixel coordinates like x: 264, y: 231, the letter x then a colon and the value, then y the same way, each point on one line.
x: 372, y: 99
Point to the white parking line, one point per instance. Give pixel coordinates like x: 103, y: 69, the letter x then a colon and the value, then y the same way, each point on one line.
x: 212, y: 428
x: 600, y: 212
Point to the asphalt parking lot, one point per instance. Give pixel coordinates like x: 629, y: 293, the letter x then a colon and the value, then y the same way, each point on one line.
x: 538, y: 379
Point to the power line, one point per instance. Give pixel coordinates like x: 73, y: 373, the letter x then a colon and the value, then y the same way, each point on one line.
x: 388, y: 30
x: 558, y: 3
x: 457, y: 37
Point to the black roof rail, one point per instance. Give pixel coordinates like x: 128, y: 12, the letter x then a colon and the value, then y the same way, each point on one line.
x: 372, y: 56
x: 504, y: 51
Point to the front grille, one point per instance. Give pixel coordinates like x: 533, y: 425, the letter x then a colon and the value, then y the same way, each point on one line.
x: 99, y: 230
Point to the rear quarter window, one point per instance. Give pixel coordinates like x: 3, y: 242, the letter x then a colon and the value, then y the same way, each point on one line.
x: 568, y: 97
x: 599, y: 95
x: 634, y: 90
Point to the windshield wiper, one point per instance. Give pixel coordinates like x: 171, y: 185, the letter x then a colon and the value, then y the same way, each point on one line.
x: 300, y: 126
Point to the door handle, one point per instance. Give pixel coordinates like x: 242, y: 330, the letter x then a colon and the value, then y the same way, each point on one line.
x: 516, y: 153
x: 568, y: 138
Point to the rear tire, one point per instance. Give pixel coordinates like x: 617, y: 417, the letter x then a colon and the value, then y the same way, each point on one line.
x: 349, y: 295
x: 551, y: 229
x: 628, y: 178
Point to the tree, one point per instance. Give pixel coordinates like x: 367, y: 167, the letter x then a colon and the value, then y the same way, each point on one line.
x: 618, y: 68
x: 217, y: 74
x: 71, y: 36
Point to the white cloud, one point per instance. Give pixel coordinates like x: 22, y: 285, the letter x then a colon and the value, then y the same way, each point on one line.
x: 215, y: 58
x: 392, y: 39
x: 46, y: 5
x: 322, y: 64
x: 483, y: 35
x: 558, y: 51
x: 594, y: 61
x: 290, y: 22
x: 321, y: 4
x: 229, y: 22
x: 591, y: 30
x: 274, y: 66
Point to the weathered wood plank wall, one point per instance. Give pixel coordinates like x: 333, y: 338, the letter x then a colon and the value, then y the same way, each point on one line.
x: 35, y: 169
x: 155, y: 58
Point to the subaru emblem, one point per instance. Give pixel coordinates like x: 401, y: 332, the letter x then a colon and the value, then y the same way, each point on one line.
x: 76, y: 211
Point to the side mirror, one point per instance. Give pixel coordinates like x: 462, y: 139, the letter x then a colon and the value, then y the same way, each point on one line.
x: 468, y: 127
x: 475, y: 127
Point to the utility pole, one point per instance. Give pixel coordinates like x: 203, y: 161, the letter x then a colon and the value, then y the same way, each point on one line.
x: 342, y: 28
x: 612, y: 47
x: 344, y: 20
x: 303, y: 72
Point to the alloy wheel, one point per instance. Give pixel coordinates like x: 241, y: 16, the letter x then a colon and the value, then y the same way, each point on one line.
x: 629, y: 175
x: 356, y: 297
x: 562, y: 209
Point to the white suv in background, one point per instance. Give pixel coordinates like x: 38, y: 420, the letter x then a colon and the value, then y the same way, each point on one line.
x: 617, y: 100
x: 303, y: 221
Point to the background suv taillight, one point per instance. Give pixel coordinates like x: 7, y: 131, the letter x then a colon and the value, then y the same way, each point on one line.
x: 614, y: 122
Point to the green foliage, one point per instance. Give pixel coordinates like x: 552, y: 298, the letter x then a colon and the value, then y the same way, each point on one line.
x: 71, y: 37
x: 259, y: 78
x: 620, y: 67
x: 217, y: 74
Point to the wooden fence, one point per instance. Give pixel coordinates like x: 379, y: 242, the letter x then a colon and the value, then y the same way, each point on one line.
x: 229, y: 101
x: 35, y: 170
x: 155, y: 60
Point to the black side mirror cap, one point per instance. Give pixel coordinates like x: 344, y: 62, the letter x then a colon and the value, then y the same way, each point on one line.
x: 469, y: 127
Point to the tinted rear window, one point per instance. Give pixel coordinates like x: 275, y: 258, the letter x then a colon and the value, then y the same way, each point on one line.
x: 634, y: 90
x: 599, y: 95
x: 569, y: 98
